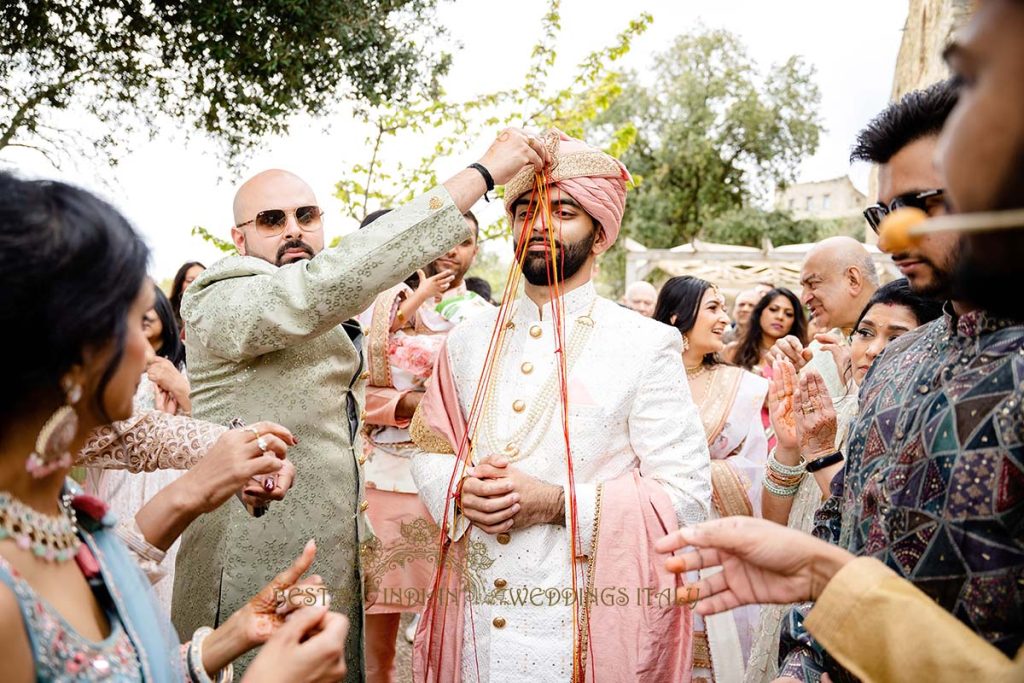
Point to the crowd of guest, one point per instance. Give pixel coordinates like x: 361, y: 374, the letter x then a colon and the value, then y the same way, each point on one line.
x: 278, y: 460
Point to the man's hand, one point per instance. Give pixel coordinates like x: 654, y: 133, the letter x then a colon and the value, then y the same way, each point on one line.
x: 520, y: 501
x: 487, y: 498
x: 511, y: 151
x: 762, y: 563
x: 840, y: 354
x: 790, y: 348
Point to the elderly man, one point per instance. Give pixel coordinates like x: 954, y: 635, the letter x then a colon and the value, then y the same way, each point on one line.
x: 641, y: 296
x: 838, y: 277
x: 534, y: 513
x: 741, y: 310
x: 267, y: 337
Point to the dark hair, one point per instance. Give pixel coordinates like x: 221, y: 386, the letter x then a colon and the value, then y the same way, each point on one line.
x: 476, y: 224
x: 918, y: 114
x: 171, y: 347
x: 748, y: 351
x: 372, y: 216
x: 70, y: 268
x: 178, y: 288
x: 479, y: 286
x: 680, y: 297
x: 899, y: 293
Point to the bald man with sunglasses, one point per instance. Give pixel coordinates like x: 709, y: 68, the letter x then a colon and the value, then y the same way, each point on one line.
x: 269, y: 333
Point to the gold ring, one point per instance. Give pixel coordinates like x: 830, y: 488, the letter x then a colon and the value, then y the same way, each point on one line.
x: 254, y: 431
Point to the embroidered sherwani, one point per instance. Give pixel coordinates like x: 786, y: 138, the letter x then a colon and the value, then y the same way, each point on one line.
x: 629, y: 408
x: 267, y: 343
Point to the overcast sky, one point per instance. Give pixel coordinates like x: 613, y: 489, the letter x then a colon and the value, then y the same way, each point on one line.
x: 169, y: 184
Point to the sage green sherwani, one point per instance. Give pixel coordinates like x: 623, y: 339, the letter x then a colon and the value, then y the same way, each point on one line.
x: 267, y: 343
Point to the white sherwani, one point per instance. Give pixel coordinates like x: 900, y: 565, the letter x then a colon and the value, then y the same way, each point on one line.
x: 629, y: 407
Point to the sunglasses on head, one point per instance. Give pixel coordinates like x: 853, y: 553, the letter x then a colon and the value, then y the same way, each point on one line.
x: 919, y: 200
x: 271, y: 222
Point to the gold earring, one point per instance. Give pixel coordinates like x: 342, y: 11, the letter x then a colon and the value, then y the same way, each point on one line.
x: 54, y: 440
x: 686, y: 344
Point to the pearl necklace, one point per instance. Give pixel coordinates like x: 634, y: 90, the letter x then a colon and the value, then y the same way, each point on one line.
x: 52, y: 538
x: 537, y: 420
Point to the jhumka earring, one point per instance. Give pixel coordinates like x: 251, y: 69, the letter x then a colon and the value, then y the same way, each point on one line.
x: 686, y: 344
x: 53, y: 443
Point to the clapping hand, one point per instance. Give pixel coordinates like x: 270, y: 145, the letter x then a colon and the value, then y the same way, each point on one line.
x: 780, y: 404
x: 815, y: 417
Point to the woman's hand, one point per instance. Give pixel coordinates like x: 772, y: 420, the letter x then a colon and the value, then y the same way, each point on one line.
x: 780, y: 404
x: 434, y: 287
x: 235, y: 458
x: 816, y: 417
x: 172, y: 384
x: 310, y: 647
x: 268, y: 610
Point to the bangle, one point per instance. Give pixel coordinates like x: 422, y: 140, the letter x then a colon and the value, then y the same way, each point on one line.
x: 824, y: 461
x: 488, y: 180
x: 782, y: 491
x: 196, y: 670
x: 786, y: 470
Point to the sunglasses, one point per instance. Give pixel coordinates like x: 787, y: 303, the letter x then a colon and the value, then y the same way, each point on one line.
x: 919, y: 200
x: 271, y: 222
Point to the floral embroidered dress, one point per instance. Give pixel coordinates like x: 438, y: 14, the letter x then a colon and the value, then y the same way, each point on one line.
x: 934, y: 478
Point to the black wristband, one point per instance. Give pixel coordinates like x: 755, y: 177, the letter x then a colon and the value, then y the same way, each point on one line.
x: 823, y: 462
x: 487, y: 177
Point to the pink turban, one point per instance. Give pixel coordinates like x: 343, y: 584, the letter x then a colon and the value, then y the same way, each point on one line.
x: 594, y: 179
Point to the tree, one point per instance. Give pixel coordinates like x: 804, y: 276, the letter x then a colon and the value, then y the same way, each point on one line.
x: 750, y: 227
x: 594, y: 87
x: 233, y: 70
x: 713, y: 134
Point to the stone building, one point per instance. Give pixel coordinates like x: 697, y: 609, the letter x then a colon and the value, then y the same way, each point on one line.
x: 822, y: 199
x: 929, y: 28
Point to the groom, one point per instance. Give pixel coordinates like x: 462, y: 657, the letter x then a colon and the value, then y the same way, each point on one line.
x: 629, y: 412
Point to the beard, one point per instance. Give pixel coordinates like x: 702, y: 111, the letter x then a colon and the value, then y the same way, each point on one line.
x: 988, y: 275
x: 293, y: 244
x: 569, y: 259
x: 938, y: 280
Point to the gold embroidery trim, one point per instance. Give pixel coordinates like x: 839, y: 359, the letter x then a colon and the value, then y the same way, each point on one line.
x: 563, y: 167
x: 590, y: 588
x: 719, y: 396
x: 701, y: 651
x: 384, y: 308
x: 729, y: 491
x: 426, y: 438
